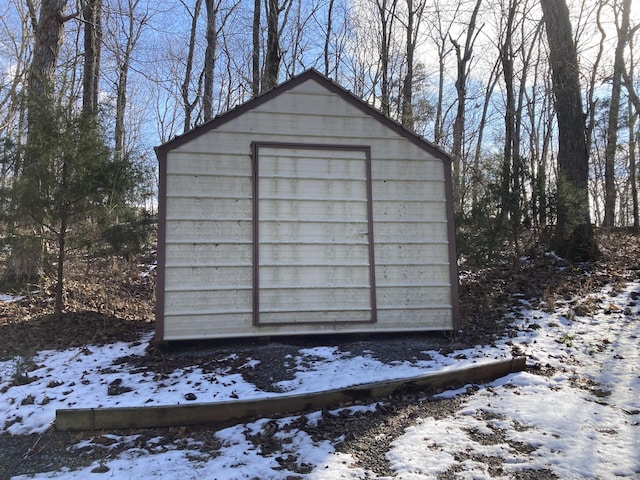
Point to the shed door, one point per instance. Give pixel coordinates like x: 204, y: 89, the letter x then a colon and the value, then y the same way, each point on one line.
x: 313, y: 240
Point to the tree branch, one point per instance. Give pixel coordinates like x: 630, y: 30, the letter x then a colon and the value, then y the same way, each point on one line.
x: 33, y: 16
x: 633, y: 96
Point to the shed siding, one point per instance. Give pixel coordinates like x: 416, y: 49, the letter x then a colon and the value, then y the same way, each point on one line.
x: 326, y: 189
x: 208, y: 270
x: 209, y: 230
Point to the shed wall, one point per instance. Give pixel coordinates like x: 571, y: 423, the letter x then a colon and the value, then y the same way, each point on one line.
x: 208, y: 286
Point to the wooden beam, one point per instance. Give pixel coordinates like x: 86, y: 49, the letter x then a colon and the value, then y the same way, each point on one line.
x: 230, y: 412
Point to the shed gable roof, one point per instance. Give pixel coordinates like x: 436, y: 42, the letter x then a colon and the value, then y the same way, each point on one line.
x: 308, y: 75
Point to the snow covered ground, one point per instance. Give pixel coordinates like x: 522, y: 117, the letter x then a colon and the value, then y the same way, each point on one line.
x: 577, y: 415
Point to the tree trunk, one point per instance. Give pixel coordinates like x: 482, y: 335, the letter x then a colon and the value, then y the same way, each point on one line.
x: 272, y: 57
x: 463, y: 59
x: 633, y: 139
x: 477, y: 176
x: 594, y: 82
x: 210, y: 58
x: 509, y: 173
x: 131, y: 27
x: 574, y: 236
x: 533, y: 104
x: 26, y: 261
x: 187, y: 104
x: 296, y: 46
x: 614, y: 114
x: 541, y: 180
x: 407, y: 84
x: 440, y: 36
x: 59, y: 289
x: 327, y: 37
x: 414, y: 18
x: 386, y: 14
x: 121, y: 105
x: 438, y: 122
x: 62, y: 245
x: 48, y: 39
x: 634, y: 186
x: 92, y: 16
x: 255, y: 58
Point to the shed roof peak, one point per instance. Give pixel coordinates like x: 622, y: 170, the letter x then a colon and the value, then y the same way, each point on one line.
x: 310, y: 74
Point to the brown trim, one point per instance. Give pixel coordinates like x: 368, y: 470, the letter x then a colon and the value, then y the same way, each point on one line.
x: 161, y: 243
x: 319, y: 323
x: 255, y: 155
x: 330, y: 85
x: 372, y: 243
x: 453, y: 254
x: 256, y: 233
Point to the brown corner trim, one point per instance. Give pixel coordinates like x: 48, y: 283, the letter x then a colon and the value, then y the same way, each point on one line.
x: 161, y: 245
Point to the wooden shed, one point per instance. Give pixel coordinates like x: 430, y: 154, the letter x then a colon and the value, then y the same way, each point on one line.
x: 304, y: 211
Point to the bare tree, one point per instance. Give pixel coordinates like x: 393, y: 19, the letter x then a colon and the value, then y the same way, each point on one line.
x: 216, y: 21
x: 574, y: 236
x: 188, y: 104
x: 255, y: 58
x: 92, y: 22
x: 517, y: 43
x: 126, y: 25
x: 327, y: 37
x: 412, y: 29
x: 633, y: 142
x: 477, y: 176
x: 463, y: 57
x: 441, y: 26
x: 529, y: 56
x: 634, y: 136
x: 296, y: 41
x: 593, y: 79
x: 509, y: 166
x: 386, y: 10
x: 538, y: 101
x: 614, y: 114
x: 16, y: 30
x: 211, y: 36
x: 272, y: 56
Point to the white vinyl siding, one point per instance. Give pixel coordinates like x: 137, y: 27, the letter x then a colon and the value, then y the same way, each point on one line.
x: 316, y: 199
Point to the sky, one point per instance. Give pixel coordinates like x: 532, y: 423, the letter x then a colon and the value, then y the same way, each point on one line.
x: 580, y: 420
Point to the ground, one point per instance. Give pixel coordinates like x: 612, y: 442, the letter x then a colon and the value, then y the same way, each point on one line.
x: 569, y: 320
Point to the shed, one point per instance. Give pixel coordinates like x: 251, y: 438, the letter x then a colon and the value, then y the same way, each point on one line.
x: 304, y: 211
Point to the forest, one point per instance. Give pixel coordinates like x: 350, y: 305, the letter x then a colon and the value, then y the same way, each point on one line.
x: 535, y: 100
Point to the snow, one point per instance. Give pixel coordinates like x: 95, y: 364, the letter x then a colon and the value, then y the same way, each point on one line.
x: 577, y: 414
x: 10, y: 298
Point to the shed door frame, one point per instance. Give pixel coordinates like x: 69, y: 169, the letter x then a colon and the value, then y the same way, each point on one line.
x: 255, y: 160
